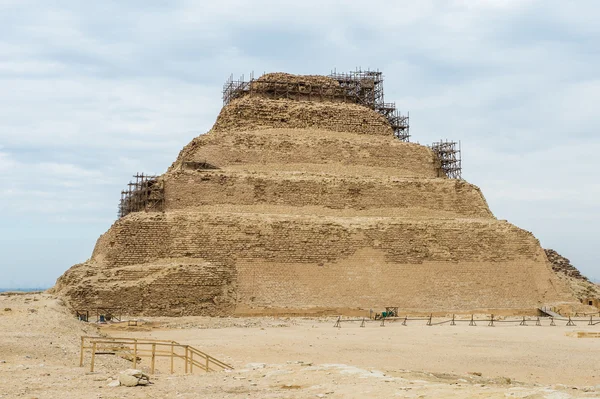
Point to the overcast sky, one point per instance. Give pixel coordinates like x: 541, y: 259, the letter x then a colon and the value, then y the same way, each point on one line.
x: 93, y: 92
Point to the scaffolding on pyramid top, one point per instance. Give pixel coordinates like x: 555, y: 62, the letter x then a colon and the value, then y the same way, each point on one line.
x: 363, y: 87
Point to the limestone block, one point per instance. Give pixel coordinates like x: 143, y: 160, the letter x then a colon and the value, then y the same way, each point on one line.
x: 132, y: 377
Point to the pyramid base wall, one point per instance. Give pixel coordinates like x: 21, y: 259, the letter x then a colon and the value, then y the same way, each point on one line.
x: 216, y: 264
x: 428, y: 286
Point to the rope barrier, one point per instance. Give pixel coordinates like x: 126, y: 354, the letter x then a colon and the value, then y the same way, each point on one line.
x: 441, y: 322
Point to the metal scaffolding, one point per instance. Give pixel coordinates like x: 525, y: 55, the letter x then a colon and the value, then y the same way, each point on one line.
x: 449, y: 154
x: 359, y: 87
x: 233, y: 89
x: 367, y: 88
x: 145, y: 194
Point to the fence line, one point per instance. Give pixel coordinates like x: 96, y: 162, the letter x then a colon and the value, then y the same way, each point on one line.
x: 491, y: 321
x: 587, y: 314
x: 151, y: 348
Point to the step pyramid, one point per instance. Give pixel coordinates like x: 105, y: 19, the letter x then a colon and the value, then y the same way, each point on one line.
x: 306, y: 196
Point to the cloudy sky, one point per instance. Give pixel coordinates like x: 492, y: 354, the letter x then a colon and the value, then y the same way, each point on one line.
x: 92, y: 92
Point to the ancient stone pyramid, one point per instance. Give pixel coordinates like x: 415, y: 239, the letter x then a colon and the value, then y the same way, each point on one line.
x: 303, y: 198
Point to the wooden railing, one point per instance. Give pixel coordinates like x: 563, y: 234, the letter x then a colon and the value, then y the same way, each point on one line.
x: 137, y: 348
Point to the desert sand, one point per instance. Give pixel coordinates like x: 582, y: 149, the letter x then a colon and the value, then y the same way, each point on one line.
x: 279, y: 357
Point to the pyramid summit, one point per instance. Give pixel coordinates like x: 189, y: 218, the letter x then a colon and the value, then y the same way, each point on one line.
x: 306, y: 195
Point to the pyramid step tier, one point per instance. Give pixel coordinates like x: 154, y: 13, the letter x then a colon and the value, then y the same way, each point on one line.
x: 440, y: 197
x: 311, y: 150
x: 245, y: 261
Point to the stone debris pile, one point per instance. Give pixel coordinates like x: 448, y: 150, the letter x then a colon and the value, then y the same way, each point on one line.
x: 560, y: 264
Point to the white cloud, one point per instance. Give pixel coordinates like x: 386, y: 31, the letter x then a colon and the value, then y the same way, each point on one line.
x: 6, y: 162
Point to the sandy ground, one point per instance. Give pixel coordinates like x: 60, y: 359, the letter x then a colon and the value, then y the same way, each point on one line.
x: 300, y: 358
x: 525, y: 353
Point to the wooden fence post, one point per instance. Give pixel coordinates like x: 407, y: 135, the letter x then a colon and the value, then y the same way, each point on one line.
x: 81, y: 353
x: 186, y: 359
x: 93, y: 357
x: 191, y: 362
x: 172, y: 353
x: 153, y: 358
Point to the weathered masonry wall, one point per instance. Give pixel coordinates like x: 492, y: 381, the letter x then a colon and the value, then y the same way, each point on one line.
x: 249, y: 113
x: 325, y: 151
x: 223, y: 237
x: 295, y: 262
x: 169, y: 288
x: 128, y: 242
x: 366, y: 280
x: 190, y: 189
